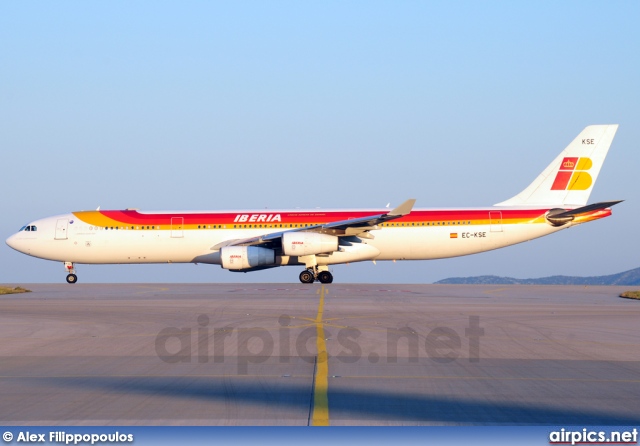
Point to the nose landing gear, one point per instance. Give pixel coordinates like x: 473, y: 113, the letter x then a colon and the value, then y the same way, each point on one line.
x: 71, y: 277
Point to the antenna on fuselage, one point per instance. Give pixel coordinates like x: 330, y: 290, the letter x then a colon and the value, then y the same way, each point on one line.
x: 98, y: 208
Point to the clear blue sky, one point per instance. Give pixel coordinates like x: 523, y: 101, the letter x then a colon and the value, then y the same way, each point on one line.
x: 228, y: 105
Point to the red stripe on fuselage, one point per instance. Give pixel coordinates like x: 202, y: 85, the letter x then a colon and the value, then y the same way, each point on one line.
x: 137, y: 218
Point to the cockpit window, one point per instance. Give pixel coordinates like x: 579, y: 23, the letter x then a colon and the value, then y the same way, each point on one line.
x: 29, y: 228
x: 33, y: 228
x: 22, y: 228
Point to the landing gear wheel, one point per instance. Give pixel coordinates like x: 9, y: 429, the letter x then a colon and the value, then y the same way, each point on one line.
x: 306, y: 276
x: 325, y: 277
x: 72, y: 278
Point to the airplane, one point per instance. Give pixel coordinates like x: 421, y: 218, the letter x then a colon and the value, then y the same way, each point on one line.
x: 244, y: 241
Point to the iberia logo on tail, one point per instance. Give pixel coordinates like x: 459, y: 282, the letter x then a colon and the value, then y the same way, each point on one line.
x: 573, y: 174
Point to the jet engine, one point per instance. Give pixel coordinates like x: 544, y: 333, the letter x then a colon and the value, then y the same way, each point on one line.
x: 308, y: 243
x: 245, y: 257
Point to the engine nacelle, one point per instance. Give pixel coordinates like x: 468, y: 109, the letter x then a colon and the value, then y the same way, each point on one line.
x: 245, y: 257
x: 308, y: 243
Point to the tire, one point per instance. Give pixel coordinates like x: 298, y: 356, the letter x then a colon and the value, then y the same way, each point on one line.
x: 72, y: 278
x: 325, y: 277
x: 306, y: 276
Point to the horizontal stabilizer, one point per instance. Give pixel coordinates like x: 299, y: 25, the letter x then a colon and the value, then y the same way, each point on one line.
x: 560, y: 217
x: 589, y: 208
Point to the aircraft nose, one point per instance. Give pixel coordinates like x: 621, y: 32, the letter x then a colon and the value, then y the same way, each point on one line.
x: 15, y: 243
x: 11, y: 242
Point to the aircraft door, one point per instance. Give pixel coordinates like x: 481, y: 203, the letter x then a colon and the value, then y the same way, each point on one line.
x: 177, y: 227
x: 62, y: 226
x: 495, y: 221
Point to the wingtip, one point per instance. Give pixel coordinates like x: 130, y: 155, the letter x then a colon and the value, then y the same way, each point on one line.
x: 405, y: 208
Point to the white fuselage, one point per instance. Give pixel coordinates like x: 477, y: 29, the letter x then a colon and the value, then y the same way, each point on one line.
x: 83, y: 242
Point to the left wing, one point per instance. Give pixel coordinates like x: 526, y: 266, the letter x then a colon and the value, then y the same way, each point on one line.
x: 357, y: 226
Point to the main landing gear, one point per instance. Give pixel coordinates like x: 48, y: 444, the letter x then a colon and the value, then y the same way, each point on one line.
x: 310, y: 276
x: 71, y: 277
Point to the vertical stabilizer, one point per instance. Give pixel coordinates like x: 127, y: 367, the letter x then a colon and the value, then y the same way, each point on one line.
x: 569, y: 179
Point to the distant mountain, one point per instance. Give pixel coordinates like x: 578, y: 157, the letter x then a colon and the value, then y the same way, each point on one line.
x: 631, y: 277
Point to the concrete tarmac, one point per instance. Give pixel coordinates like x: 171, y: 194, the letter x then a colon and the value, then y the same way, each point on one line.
x: 293, y: 354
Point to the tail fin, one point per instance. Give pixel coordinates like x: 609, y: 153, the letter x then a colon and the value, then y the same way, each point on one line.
x: 569, y: 179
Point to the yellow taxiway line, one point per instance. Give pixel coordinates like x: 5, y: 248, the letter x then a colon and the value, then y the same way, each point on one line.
x: 321, y: 379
